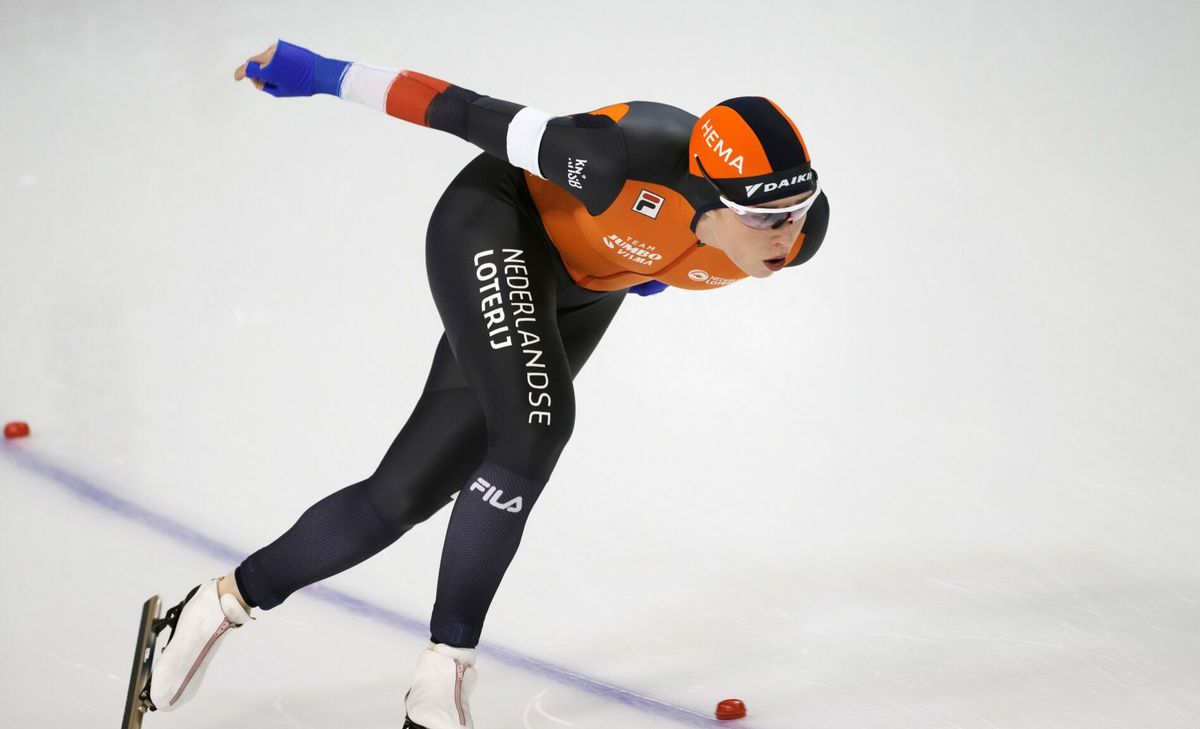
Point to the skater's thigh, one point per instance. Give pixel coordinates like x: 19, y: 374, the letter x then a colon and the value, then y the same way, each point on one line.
x: 495, y: 287
x: 441, y: 443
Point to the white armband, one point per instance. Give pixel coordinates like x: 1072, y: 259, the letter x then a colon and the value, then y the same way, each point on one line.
x: 525, y: 138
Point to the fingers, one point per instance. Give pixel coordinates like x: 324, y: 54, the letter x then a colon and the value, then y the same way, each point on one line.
x: 254, y: 65
x: 253, y: 70
x: 240, y: 73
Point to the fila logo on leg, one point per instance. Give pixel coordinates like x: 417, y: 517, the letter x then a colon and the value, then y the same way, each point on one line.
x: 648, y: 204
x: 493, y: 496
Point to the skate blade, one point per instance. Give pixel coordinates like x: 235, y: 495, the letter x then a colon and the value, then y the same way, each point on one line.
x: 143, y: 655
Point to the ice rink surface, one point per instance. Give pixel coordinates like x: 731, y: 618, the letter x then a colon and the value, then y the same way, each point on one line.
x: 944, y: 475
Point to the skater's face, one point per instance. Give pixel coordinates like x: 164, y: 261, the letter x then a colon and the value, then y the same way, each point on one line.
x: 758, y: 252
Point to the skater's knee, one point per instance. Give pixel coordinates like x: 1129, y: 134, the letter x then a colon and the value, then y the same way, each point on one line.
x: 532, y: 450
x: 402, y: 505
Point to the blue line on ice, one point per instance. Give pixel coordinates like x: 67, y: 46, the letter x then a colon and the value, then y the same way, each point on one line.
x: 180, y: 532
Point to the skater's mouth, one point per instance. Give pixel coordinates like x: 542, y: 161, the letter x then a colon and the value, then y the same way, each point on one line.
x: 775, y: 263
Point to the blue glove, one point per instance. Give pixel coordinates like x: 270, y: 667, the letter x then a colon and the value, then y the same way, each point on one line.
x: 648, y: 288
x: 296, y: 71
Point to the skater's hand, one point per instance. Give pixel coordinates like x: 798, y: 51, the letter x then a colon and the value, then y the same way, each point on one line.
x: 261, y: 61
x: 285, y: 69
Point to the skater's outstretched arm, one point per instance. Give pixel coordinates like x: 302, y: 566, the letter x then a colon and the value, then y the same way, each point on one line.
x: 583, y: 153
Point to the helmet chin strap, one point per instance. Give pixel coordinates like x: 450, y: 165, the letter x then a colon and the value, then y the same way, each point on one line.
x: 706, y: 175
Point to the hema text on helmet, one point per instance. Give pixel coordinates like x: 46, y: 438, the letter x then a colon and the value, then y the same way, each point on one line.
x: 717, y: 145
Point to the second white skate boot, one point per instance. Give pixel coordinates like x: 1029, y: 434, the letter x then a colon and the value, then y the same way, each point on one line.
x: 441, y: 689
x: 197, y: 626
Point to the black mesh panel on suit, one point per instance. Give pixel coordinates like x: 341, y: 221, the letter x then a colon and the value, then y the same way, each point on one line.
x: 334, y: 534
x: 482, y: 538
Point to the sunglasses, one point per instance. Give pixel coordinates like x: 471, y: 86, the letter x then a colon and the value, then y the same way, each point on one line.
x: 771, y: 218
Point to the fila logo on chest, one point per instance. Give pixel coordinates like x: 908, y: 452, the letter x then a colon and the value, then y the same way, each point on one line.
x: 648, y: 204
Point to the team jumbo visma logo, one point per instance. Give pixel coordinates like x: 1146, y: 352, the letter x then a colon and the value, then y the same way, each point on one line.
x: 633, y: 250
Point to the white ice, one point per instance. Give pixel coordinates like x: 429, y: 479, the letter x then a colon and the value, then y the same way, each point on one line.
x: 944, y: 475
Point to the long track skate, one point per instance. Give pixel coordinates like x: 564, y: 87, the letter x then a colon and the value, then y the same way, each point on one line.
x: 137, y: 701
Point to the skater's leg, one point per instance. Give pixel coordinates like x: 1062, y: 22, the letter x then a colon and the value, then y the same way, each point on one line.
x: 427, y: 465
x: 416, y: 477
x: 445, y: 674
x: 427, y: 462
x: 494, y: 282
x: 520, y: 334
x: 487, y: 522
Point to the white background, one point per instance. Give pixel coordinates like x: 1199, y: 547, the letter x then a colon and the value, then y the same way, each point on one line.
x: 944, y: 475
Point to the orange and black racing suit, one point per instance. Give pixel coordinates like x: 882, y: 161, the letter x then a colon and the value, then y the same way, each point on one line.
x: 529, y: 254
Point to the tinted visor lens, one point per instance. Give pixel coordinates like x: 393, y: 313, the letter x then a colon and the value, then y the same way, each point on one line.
x: 766, y: 218
x: 765, y: 221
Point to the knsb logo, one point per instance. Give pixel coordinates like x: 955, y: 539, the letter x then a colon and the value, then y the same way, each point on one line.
x: 492, y: 495
x: 772, y: 186
x: 648, y: 204
x: 697, y: 275
x: 575, y: 176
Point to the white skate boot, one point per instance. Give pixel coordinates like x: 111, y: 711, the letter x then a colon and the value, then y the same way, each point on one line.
x: 197, y: 626
x: 441, y: 689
